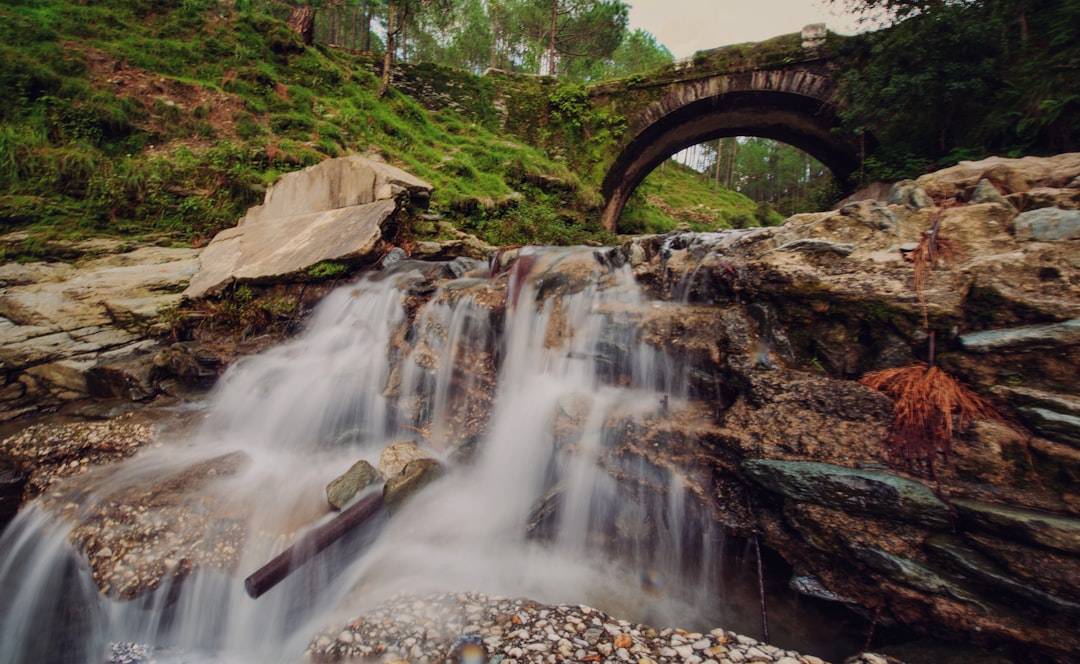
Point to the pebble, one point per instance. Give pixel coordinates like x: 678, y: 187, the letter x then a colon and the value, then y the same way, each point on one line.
x: 520, y: 631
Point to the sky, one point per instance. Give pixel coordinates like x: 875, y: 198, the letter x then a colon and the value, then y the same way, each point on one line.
x: 686, y: 26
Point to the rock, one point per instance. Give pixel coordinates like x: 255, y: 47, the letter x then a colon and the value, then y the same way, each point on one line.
x: 1053, y: 530
x: 395, y: 457
x: 334, y: 184
x: 811, y: 246
x: 868, y: 492
x: 872, y: 214
x: 128, y: 378
x: 1049, y: 224
x: 1032, y: 337
x: 970, y: 562
x: 275, y: 248
x: 914, y: 574
x: 1013, y: 174
x: 338, y: 210
x: 1037, y: 566
x: 414, y: 476
x: 985, y: 192
x: 342, y: 489
x: 910, y: 194
x: 58, y: 321
x: 1053, y: 425
x: 1046, y: 197
x: 12, y: 483
x: 1053, y: 415
x: 189, y: 363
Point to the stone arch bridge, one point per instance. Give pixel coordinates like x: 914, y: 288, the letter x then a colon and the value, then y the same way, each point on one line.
x: 784, y: 89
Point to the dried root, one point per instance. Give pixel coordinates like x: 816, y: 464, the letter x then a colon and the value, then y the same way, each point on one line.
x: 929, y: 407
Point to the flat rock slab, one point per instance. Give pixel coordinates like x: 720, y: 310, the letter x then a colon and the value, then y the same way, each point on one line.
x: 334, y: 184
x: 867, y: 492
x: 1052, y: 530
x: 1030, y: 337
x: 286, y: 245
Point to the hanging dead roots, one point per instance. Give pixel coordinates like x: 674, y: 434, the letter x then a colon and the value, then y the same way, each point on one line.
x: 931, y: 250
x: 930, y: 406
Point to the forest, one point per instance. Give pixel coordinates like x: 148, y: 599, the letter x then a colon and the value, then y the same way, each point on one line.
x: 134, y: 117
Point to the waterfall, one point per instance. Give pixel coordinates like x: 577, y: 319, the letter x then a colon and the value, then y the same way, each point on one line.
x: 525, y: 392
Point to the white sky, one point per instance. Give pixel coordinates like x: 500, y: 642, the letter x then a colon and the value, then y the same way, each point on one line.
x: 686, y: 26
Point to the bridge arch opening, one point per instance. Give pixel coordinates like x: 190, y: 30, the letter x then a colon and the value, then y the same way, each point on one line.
x: 801, y: 121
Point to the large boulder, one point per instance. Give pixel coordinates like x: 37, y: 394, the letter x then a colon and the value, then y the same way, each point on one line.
x: 340, y: 210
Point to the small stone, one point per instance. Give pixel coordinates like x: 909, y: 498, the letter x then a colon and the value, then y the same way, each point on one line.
x: 684, y: 651
x: 345, y: 637
x: 701, y: 644
x: 755, y: 654
x: 623, y: 641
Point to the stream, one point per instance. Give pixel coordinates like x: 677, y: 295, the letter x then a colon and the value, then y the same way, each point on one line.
x: 516, y: 402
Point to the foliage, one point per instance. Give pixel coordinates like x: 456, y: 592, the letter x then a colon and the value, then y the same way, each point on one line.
x: 109, y: 127
x: 677, y: 194
x: 956, y: 80
x: 327, y: 270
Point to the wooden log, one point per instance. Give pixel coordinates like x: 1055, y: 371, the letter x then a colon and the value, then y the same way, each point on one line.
x: 308, y: 546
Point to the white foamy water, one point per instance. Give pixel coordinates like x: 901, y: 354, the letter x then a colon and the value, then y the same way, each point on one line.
x: 302, y: 413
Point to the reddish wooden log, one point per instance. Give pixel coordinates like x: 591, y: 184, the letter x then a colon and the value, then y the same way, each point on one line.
x: 308, y: 546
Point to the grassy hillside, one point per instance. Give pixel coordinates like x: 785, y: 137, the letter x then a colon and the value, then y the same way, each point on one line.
x: 675, y: 195
x: 171, y: 117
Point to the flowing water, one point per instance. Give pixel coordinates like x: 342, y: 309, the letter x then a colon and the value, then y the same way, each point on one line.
x: 461, y: 376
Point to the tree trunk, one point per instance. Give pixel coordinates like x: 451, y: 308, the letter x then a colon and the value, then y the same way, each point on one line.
x: 716, y: 171
x: 302, y: 20
x: 367, y: 27
x: 388, y: 57
x: 551, y: 43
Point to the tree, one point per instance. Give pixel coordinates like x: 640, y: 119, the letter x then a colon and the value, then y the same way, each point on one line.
x: 638, y: 52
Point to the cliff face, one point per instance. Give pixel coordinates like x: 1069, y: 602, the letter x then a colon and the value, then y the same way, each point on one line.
x: 783, y: 442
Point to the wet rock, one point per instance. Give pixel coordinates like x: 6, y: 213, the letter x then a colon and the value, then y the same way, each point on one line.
x: 158, y: 528
x: 342, y: 489
x: 414, y: 476
x: 1049, y: 224
x: 1054, y: 572
x: 1033, y: 337
x: 974, y: 564
x: 857, y: 491
x: 190, y: 363
x: 130, y: 377
x: 1053, y: 530
x: 395, y: 457
x: 45, y: 452
x: 12, y: 484
x: 914, y: 574
x: 1052, y: 424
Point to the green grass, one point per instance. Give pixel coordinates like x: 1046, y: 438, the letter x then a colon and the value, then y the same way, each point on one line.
x: 675, y: 194
x: 171, y: 118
